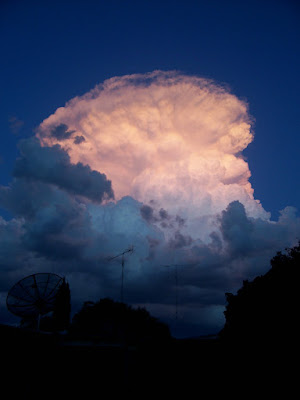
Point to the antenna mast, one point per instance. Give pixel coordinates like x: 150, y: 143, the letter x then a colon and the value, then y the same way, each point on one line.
x: 176, y: 284
x: 129, y: 250
x: 176, y: 288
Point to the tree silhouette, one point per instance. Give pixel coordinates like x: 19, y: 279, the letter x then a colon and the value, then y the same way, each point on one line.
x: 116, y: 322
x: 267, y: 307
x: 62, y: 307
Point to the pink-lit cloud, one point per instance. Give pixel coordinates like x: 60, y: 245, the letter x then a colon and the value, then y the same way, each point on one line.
x: 164, y: 137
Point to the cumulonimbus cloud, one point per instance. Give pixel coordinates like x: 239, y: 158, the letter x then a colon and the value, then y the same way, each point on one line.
x: 169, y: 145
x: 164, y: 137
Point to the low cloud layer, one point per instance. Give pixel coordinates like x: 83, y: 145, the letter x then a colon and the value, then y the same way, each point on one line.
x: 171, y: 154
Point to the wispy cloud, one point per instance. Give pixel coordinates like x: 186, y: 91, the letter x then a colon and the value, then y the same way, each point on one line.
x: 15, y: 124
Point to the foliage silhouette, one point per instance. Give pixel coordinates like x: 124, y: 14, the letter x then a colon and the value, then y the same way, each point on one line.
x: 60, y: 317
x: 117, y: 322
x: 62, y: 307
x: 266, y: 308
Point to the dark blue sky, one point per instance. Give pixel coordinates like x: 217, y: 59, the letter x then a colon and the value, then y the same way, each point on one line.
x: 52, y: 51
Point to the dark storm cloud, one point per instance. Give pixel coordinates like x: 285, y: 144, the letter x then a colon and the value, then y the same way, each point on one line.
x: 59, y: 231
x: 60, y: 132
x: 11, y: 248
x: 180, y: 221
x: 147, y: 213
x: 245, y: 236
x: 55, y: 230
x: 163, y: 214
x: 71, y: 238
x: 236, y: 228
x: 79, y: 139
x: 179, y: 240
x: 52, y: 165
x: 162, y: 217
x: 23, y: 198
x: 52, y: 225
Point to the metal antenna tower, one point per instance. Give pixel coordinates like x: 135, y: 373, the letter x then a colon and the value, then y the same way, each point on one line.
x: 129, y: 250
x: 176, y: 284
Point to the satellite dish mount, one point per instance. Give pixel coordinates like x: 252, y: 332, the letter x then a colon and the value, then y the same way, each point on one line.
x: 34, y: 296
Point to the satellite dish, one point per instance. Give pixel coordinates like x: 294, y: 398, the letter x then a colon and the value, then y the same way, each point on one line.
x: 34, y: 295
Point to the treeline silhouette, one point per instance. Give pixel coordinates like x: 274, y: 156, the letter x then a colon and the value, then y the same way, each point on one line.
x: 111, y: 348
x: 266, y: 309
x: 262, y: 310
x: 113, y: 321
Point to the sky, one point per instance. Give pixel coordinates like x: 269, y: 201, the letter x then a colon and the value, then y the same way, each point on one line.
x: 168, y: 125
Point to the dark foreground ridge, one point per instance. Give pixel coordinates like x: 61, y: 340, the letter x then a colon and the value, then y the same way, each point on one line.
x: 47, y: 366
